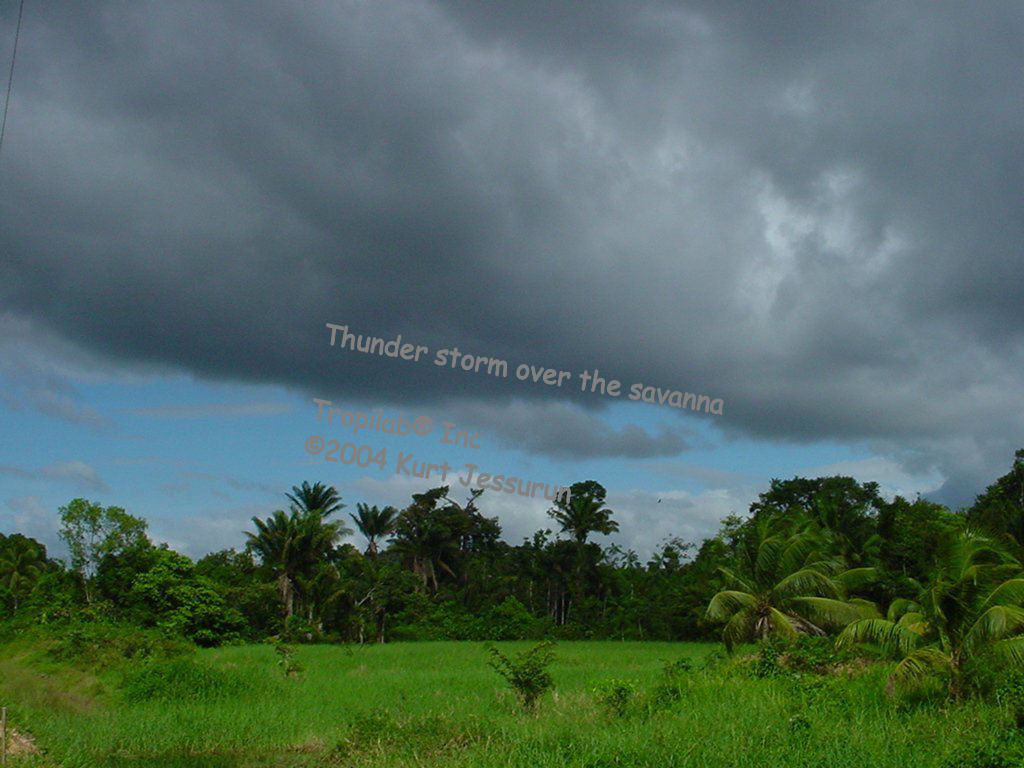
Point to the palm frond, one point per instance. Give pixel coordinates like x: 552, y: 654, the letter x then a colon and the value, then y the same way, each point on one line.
x: 829, y: 612
x: 740, y: 628
x: 806, y: 582
x: 857, y: 578
x: 781, y: 626
x: 918, y: 665
x: 890, y: 636
x: 915, y: 622
x: 1010, y: 592
x: 726, y: 603
x: 1009, y: 651
x: 997, y: 623
x: 900, y: 606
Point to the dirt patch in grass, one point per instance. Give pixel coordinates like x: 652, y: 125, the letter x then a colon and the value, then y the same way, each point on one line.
x: 20, y: 744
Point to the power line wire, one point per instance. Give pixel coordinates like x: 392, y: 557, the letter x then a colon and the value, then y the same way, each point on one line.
x: 10, y: 75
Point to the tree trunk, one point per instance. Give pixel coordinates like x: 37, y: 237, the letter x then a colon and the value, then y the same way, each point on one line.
x: 284, y: 584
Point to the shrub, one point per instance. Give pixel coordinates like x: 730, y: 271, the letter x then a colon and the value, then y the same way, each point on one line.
x: 668, y: 691
x: 615, y: 696
x: 286, y: 658
x: 107, y: 645
x: 527, y: 672
x: 677, y: 667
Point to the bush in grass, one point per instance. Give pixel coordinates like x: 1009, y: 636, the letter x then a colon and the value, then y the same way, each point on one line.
x: 669, y: 689
x: 526, y: 672
x: 105, y: 645
x: 615, y: 696
x: 286, y: 658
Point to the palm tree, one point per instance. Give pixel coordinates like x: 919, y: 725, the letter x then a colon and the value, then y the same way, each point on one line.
x: 783, y: 587
x: 319, y: 497
x: 969, y: 612
x: 582, y: 515
x: 321, y: 589
x: 22, y: 561
x: 374, y: 523
x: 289, y: 544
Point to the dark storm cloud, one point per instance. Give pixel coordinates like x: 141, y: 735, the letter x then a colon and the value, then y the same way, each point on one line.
x: 811, y: 211
x: 557, y: 429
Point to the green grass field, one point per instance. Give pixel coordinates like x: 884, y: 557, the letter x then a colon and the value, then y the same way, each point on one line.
x: 440, y: 704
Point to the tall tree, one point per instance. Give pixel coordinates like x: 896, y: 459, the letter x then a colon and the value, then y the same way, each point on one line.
x: 427, y: 537
x: 318, y: 497
x: 584, y: 513
x: 374, y: 523
x: 92, y: 532
x: 291, y: 544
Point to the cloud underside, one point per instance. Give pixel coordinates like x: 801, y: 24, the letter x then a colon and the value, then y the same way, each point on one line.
x: 811, y: 213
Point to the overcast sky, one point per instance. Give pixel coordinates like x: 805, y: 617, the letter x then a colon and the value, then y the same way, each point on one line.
x: 810, y: 210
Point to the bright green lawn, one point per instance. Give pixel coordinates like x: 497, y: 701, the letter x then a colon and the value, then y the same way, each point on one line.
x: 439, y: 704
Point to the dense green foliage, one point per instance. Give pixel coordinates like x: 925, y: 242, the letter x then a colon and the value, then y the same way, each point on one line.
x: 812, y: 556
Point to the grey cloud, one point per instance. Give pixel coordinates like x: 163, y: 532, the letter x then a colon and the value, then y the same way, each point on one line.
x: 199, y: 411
x: 562, y: 430
x: 77, y: 472
x: 810, y: 212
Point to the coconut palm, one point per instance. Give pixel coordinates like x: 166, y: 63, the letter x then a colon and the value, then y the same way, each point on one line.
x: 318, y: 496
x: 374, y: 523
x: 783, y: 586
x: 22, y: 561
x: 582, y: 515
x: 970, y: 612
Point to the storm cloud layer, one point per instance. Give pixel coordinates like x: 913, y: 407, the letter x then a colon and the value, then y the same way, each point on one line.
x: 812, y: 211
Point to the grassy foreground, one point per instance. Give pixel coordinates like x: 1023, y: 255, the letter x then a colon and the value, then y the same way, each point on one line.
x: 439, y: 704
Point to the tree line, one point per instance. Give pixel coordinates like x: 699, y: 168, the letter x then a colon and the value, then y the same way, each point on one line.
x: 812, y: 556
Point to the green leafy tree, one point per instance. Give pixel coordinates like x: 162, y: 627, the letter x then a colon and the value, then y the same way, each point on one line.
x: 428, y: 536
x: 93, y: 532
x: 178, y: 601
x: 843, y: 508
x: 969, y: 613
x: 1000, y: 509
